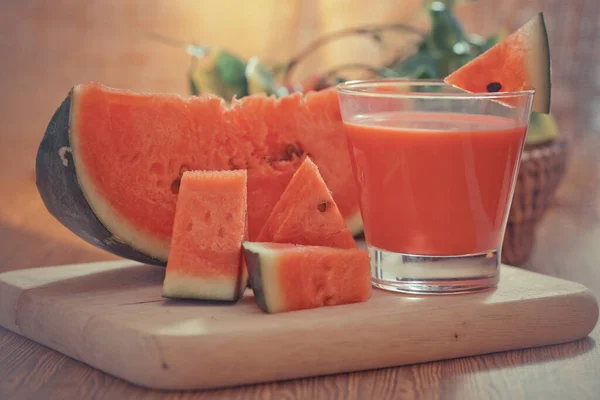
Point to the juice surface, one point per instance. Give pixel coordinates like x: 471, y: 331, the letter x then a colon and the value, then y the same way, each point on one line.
x: 434, y: 183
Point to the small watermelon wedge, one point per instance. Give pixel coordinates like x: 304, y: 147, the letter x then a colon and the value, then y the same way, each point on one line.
x: 307, y: 214
x: 520, y: 61
x: 206, y: 260
x: 287, y: 277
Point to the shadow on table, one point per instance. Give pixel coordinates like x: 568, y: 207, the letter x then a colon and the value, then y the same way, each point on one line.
x: 22, y: 249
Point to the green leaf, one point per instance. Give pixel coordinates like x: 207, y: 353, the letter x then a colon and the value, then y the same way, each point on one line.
x: 447, y: 3
x: 446, y: 31
x: 219, y: 73
x: 194, y: 90
x: 261, y: 80
x: 420, y: 66
x: 232, y: 72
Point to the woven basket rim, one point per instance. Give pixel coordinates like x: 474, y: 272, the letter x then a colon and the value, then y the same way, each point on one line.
x: 545, y: 150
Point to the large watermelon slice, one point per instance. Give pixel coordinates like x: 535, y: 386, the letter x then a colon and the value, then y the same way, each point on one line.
x: 520, y: 61
x: 307, y: 214
x: 205, y: 258
x: 286, y: 277
x: 110, y: 163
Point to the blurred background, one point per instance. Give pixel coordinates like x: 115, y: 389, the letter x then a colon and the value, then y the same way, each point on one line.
x: 46, y: 47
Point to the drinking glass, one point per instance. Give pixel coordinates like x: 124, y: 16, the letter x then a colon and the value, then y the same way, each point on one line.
x: 435, y: 168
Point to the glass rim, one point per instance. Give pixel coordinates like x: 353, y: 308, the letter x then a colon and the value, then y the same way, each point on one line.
x: 365, y: 88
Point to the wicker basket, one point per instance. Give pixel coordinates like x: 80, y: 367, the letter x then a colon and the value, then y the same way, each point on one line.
x: 542, y: 168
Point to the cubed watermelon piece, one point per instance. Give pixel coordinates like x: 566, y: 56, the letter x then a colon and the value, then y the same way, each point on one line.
x: 287, y: 277
x: 205, y: 261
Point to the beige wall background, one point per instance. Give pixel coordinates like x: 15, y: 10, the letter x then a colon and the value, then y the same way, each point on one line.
x: 48, y: 46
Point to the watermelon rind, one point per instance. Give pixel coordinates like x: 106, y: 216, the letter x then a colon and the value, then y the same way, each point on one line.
x: 538, y: 63
x: 181, y: 286
x: 64, y: 197
x: 260, y: 261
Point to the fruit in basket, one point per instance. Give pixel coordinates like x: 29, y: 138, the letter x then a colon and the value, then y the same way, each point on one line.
x: 307, y: 214
x: 205, y: 257
x: 220, y: 72
x: 542, y: 129
x: 287, y: 277
x: 110, y: 163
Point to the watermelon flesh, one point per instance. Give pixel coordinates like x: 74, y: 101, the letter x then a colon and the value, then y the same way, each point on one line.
x: 521, y: 61
x: 287, y: 277
x: 130, y: 151
x: 307, y: 214
x: 205, y: 261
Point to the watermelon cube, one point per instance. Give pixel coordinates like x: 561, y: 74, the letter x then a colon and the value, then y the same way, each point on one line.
x: 205, y: 260
x: 287, y: 277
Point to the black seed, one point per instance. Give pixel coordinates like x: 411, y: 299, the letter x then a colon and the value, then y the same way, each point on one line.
x: 494, y: 87
x: 175, y: 185
x: 293, y: 150
x: 323, y: 206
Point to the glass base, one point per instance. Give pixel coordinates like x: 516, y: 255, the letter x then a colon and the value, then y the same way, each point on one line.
x: 418, y: 274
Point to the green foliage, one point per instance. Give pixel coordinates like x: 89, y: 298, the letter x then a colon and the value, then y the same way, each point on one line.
x: 440, y: 52
x: 218, y: 72
x: 261, y: 79
x: 445, y: 49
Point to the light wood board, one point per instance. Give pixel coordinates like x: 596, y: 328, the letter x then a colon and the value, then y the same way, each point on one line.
x: 111, y: 316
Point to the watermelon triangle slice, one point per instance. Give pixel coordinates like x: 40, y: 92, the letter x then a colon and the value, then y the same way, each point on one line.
x: 519, y: 62
x: 306, y: 213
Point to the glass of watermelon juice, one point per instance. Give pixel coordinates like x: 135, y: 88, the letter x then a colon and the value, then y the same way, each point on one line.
x: 436, y: 169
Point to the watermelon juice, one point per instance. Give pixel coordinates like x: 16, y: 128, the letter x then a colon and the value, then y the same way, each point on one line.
x: 434, y: 183
x: 435, y: 168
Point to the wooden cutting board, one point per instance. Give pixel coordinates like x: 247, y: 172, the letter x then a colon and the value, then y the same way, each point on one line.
x: 111, y: 316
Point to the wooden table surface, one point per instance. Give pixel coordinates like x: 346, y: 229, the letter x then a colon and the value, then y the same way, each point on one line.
x: 36, y: 71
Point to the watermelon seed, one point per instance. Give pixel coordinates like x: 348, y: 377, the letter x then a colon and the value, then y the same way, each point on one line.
x: 189, y: 226
x: 134, y: 157
x: 494, y: 87
x: 323, y: 206
x: 175, y: 185
x: 207, y: 217
x: 293, y: 150
x: 238, y: 164
x: 177, y: 182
